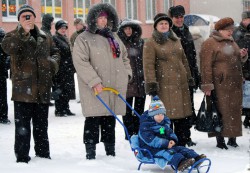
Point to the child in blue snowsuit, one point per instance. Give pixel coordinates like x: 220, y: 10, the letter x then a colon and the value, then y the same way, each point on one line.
x: 156, y: 135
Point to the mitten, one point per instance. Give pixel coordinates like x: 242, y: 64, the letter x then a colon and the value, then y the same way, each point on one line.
x: 55, y: 94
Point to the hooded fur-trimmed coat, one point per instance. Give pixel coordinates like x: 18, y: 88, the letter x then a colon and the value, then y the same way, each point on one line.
x: 166, y: 71
x: 33, y: 64
x: 94, y: 63
x: 134, y: 45
x: 221, y: 70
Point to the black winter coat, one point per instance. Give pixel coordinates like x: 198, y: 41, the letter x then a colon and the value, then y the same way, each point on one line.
x: 4, y: 65
x: 189, y: 49
x: 64, y: 79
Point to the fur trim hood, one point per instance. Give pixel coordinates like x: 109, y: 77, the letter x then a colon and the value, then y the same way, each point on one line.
x: 137, y: 31
x: 94, y: 12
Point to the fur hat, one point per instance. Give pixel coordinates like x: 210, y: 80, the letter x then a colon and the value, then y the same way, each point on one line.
x: 162, y: 16
x: 245, y: 14
x: 78, y: 21
x: 25, y: 8
x: 60, y: 24
x: 224, y: 23
x: 176, y: 11
x: 156, y: 107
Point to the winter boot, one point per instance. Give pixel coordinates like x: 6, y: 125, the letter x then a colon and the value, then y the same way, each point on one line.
x: 184, y: 164
x: 246, y: 122
x: 202, y: 156
x: 232, y: 142
x: 110, y: 149
x: 90, y: 151
x: 221, y: 142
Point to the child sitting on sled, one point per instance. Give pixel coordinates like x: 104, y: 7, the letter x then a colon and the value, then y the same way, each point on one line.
x: 156, y: 135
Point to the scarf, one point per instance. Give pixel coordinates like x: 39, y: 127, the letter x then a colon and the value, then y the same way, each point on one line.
x: 106, y: 32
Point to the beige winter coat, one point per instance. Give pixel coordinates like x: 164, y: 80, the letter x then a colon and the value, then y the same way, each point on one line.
x: 166, y: 71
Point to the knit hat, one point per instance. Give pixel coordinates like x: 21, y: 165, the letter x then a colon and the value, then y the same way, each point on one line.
x: 103, y: 13
x: 245, y: 14
x: 25, y: 8
x: 162, y: 16
x: 60, y: 23
x: 156, y: 107
x: 224, y: 23
x: 176, y: 11
x: 78, y: 21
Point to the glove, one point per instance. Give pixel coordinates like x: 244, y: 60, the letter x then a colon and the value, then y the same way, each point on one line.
x: 152, y: 93
x: 54, y: 64
x: 191, y: 82
x: 55, y: 94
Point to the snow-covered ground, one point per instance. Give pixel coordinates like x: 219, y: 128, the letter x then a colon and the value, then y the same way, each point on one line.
x: 68, y: 151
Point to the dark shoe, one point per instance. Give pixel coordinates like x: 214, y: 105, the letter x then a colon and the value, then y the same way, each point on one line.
x: 25, y: 159
x: 232, y: 142
x: 5, y: 121
x: 69, y: 113
x: 42, y: 156
x: 90, y: 151
x: 202, y: 156
x: 221, y: 142
x: 60, y: 115
x: 185, y: 164
x: 246, y: 122
x: 191, y: 143
x: 110, y: 149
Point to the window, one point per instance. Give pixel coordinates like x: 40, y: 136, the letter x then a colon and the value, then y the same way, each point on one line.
x: 150, y: 9
x: 10, y: 7
x: 110, y: 1
x: 81, y: 8
x: 167, y: 5
x: 53, y: 7
x: 246, y: 5
x: 131, y: 9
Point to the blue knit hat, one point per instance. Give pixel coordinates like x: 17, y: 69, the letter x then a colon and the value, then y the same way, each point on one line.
x: 156, y: 107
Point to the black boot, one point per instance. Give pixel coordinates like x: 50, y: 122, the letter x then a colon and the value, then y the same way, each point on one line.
x: 246, y: 122
x: 90, y: 151
x: 221, y: 142
x: 110, y: 149
x: 232, y: 142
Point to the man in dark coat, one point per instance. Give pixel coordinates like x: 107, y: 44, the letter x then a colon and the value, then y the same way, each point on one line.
x: 4, y: 66
x: 181, y: 30
x: 241, y: 36
x: 80, y: 27
x: 34, y: 61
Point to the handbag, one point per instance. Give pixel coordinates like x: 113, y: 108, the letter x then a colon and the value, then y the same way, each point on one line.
x: 246, y: 94
x: 208, y: 119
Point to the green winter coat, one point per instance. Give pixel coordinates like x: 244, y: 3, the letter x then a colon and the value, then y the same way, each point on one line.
x: 166, y: 71
x: 33, y: 64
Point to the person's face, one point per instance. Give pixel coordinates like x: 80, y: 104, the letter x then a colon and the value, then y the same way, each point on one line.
x: 128, y: 31
x: 162, y: 26
x: 158, y: 118
x: 79, y: 27
x: 226, y: 33
x: 102, y: 22
x: 178, y: 21
x: 30, y: 21
x: 62, y: 30
x: 246, y: 22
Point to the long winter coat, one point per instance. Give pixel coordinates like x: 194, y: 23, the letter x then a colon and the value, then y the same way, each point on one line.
x: 64, y: 79
x: 166, y: 71
x: 221, y: 70
x: 150, y: 137
x: 3, y: 61
x: 31, y: 65
x: 134, y: 45
x: 189, y: 49
x: 94, y: 63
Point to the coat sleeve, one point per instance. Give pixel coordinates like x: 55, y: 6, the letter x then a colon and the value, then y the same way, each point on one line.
x: 206, y: 60
x: 125, y: 59
x: 149, y: 64
x: 81, y: 60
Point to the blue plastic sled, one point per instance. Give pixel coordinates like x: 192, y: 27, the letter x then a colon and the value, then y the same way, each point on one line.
x: 204, y: 164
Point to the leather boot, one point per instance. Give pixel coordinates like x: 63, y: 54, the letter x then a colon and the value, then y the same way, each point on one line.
x: 246, y: 122
x: 221, y: 142
x: 110, y: 149
x: 90, y: 151
x: 232, y: 142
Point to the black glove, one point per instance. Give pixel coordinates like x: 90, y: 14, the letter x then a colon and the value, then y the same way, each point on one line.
x: 152, y: 93
x: 55, y: 94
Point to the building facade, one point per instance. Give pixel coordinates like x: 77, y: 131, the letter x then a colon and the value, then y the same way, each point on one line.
x: 141, y: 10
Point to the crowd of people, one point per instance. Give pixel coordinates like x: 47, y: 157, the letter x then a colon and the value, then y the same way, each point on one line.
x: 107, y: 52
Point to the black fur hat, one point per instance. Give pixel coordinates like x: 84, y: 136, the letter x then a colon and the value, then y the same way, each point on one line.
x: 176, y: 11
x: 162, y: 16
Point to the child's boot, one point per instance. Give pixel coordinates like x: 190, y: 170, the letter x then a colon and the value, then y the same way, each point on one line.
x: 202, y: 156
x: 184, y: 164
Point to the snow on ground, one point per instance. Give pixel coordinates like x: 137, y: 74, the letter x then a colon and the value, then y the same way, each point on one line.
x: 68, y: 151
